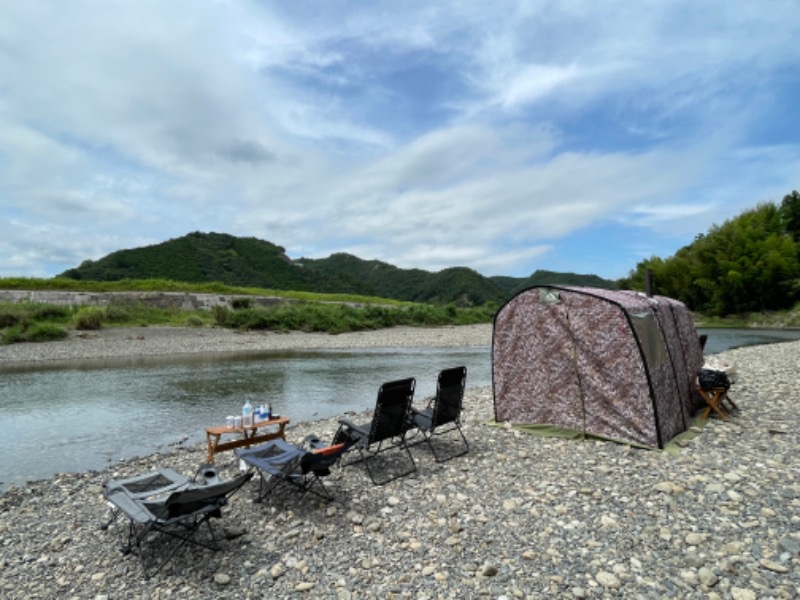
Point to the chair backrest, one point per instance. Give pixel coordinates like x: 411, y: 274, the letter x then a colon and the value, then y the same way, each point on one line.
x: 200, y: 499
x: 392, y: 408
x: 449, y: 396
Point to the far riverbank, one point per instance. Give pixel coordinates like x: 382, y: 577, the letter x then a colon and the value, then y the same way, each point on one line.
x: 161, y: 341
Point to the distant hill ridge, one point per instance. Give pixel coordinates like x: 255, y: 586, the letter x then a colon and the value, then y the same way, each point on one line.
x: 249, y: 262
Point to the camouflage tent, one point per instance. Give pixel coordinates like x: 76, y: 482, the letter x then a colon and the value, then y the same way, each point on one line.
x: 612, y: 364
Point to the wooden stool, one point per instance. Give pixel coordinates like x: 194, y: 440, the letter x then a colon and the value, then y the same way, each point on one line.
x: 715, y: 398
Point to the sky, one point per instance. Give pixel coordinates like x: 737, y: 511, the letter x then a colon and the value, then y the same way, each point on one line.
x: 505, y: 136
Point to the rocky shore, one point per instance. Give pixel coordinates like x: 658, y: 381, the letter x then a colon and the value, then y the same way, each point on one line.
x: 517, y: 517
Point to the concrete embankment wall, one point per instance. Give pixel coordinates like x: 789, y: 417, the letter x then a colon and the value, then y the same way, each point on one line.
x: 182, y: 300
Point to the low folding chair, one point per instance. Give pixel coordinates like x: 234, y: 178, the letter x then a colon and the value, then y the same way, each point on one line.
x: 386, y: 431
x: 443, y: 413
x: 713, y: 386
x: 165, y: 502
x: 279, y: 462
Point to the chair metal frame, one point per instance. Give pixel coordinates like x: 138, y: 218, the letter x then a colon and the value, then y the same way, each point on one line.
x: 444, y: 410
x: 279, y: 462
x: 386, y: 431
x: 166, y: 503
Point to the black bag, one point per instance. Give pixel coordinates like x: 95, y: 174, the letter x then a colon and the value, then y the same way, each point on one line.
x: 709, y: 378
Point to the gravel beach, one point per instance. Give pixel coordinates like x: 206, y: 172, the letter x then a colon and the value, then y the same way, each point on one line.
x: 159, y: 341
x: 517, y: 517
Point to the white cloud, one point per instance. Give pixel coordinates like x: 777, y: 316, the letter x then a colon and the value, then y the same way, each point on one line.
x: 490, y: 135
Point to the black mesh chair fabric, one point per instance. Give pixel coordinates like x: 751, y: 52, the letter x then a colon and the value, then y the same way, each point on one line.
x: 443, y: 413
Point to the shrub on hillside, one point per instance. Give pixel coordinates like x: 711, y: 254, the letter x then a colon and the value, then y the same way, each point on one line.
x: 10, y: 315
x: 14, y: 334
x: 33, y: 332
x: 89, y: 318
x: 45, y: 332
x: 116, y: 313
x: 222, y: 315
x: 49, y: 312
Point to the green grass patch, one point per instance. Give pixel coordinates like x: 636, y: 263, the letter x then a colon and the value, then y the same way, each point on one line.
x: 28, y: 321
x: 32, y: 331
x: 45, y: 332
x: 166, y: 285
x: 341, y: 318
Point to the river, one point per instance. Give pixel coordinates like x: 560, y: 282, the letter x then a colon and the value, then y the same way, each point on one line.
x: 85, y: 417
x: 81, y: 417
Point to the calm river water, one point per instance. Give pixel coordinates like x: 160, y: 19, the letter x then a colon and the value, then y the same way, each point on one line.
x: 81, y: 417
x: 84, y: 417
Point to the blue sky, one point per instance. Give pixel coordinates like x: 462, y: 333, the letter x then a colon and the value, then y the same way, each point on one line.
x: 502, y: 136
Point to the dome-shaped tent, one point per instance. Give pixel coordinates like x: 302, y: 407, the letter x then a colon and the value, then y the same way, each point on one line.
x: 613, y: 364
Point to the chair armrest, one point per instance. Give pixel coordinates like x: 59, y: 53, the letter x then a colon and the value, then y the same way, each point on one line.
x: 350, y: 431
x: 360, y: 429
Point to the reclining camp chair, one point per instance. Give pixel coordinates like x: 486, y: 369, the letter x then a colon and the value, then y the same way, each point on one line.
x: 443, y: 413
x: 279, y: 462
x: 167, y: 503
x: 386, y: 431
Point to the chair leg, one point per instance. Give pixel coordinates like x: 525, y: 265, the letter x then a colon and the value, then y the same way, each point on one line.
x: 429, y: 435
x: 461, y: 453
x: 323, y: 491
x: 302, y: 484
x: 181, y: 534
x: 725, y: 396
x: 265, y: 487
x: 367, y: 460
x: 714, y: 398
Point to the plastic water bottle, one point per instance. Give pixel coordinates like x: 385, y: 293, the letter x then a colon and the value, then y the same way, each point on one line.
x: 247, y: 414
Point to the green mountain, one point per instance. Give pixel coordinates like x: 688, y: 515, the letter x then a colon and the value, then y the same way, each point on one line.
x: 203, y: 257
x: 540, y: 277
x: 250, y: 262
x: 458, y: 284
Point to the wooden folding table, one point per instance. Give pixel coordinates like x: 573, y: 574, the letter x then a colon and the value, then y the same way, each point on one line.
x: 249, y: 436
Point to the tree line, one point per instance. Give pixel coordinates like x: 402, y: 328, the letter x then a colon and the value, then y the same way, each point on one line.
x: 750, y: 263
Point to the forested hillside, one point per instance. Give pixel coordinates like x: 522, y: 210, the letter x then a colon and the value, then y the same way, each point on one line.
x: 206, y: 257
x: 748, y: 264
x: 249, y: 262
x: 458, y: 284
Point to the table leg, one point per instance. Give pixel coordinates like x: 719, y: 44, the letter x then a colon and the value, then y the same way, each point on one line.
x: 211, y: 442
